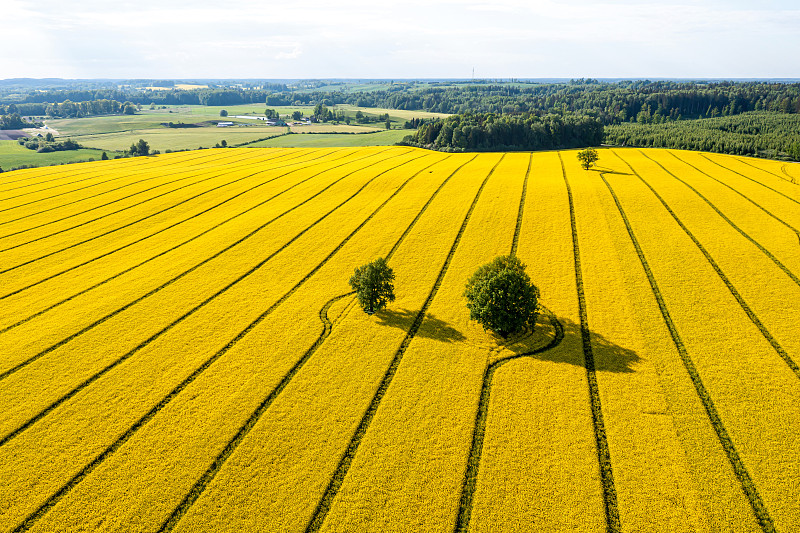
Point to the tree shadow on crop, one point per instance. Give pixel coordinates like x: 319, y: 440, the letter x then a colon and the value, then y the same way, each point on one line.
x: 432, y: 327
x: 608, y: 356
x: 604, y: 170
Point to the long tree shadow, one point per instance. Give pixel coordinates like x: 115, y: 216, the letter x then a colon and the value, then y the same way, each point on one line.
x: 603, y: 170
x: 608, y: 356
x: 435, y: 328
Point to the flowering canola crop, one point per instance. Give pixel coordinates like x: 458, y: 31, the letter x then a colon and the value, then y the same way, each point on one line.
x: 180, y: 349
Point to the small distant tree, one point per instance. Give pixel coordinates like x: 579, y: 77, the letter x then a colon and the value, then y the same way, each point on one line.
x: 588, y: 157
x: 49, y: 137
x: 104, y: 157
x: 224, y: 143
x: 501, y: 297
x: 271, y: 113
x: 374, y: 285
x: 388, y: 124
x: 223, y: 113
x: 139, y: 148
x: 297, y: 115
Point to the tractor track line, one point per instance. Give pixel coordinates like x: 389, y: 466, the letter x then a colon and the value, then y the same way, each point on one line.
x: 521, y: 210
x: 17, y: 291
x: 751, y: 179
x: 739, y: 469
x: 746, y: 308
x: 762, y: 208
x: 137, y: 221
x: 613, y: 524
x: 53, y: 221
x: 147, y: 417
x: 84, y: 198
x: 469, y: 483
x: 337, y: 479
x: 141, y: 263
x: 88, y: 381
x: 766, y: 252
x: 95, y: 172
x: 62, y: 193
x: 783, y: 167
x: 140, y: 162
x: 792, y: 179
x: 166, y: 284
x: 201, y: 484
x: 244, y: 166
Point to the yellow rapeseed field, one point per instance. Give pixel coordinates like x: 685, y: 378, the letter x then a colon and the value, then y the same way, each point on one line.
x: 180, y: 349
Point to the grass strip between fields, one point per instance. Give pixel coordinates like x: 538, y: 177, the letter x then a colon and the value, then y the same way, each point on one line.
x: 54, y: 221
x: 338, y: 476
x: 163, y: 286
x: 746, y: 308
x: 239, y: 165
x: 203, y: 481
x: 48, y: 278
x: 747, y: 484
x: 613, y: 524
x: 766, y: 252
x: 762, y: 208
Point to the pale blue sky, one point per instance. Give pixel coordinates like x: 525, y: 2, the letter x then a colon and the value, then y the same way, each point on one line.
x: 399, y: 39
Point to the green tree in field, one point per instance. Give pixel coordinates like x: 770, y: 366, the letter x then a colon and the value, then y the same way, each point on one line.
x: 49, y: 137
x: 140, y: 148
x: 297, y: 115
x: 271, y: 113
x: 374, y: 285
x: 501, y: 297
x: 588, y: 157
x: 104, y: 157
x: 223, y: 113
x: 388, y: 124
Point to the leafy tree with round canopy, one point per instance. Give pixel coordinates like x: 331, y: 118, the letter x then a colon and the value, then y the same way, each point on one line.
x: 588, y: 157
x: 501, y: 297
x: 374, y: 285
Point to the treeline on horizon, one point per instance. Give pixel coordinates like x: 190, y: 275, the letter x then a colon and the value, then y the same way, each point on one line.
x: 640, y: 101
x: 743, y: 118
x: 499, y: 132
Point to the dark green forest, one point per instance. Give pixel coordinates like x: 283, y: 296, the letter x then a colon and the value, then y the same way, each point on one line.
x: 523, y: 131
x: 762, y: 134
